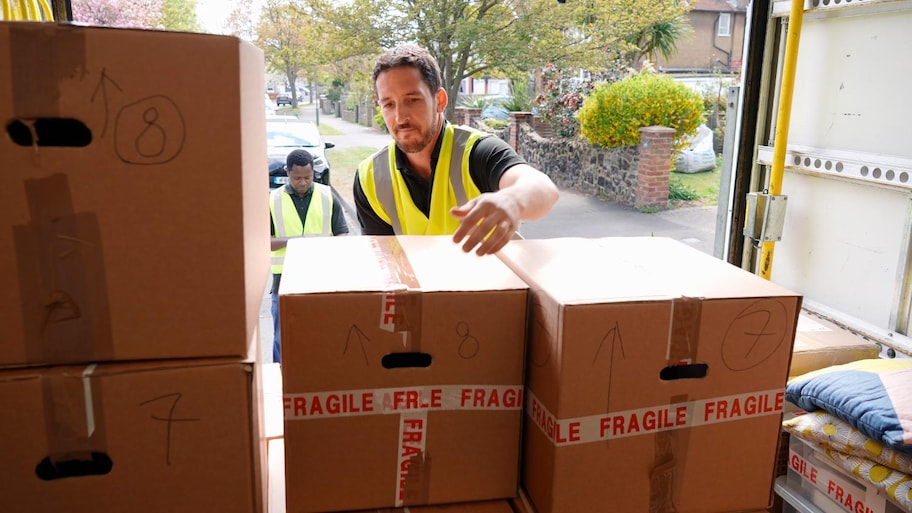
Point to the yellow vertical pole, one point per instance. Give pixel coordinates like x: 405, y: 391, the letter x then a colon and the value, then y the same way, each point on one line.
x: 782, y: 123
x: 26, y: 10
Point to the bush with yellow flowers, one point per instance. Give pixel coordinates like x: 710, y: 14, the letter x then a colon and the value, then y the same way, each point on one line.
x: 612, y: 115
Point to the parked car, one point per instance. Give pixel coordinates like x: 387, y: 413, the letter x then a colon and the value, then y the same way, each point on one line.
x: 270, y: 108
x: 283, y: 99
x: 287, y: 133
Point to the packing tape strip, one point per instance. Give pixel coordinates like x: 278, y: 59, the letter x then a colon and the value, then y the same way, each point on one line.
x: 42, y: 56
x: 413, y: 466
x: 401, y: 308
x: 665, y: 477
x: 394, y: 401
x: 653, y: 419
x: 62, y: 280
x: 684, y: 333
x: 73, y: 414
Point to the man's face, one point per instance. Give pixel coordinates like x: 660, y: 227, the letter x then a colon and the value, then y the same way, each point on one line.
x: 410, y: 109
x: 301, y: 178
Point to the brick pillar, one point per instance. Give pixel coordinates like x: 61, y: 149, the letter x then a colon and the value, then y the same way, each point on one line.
x: 471, y: 114
x: 656, y: 146
x: 460, y: 116
x: 516, y: 118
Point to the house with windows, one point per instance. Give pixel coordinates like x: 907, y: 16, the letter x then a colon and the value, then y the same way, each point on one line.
x: 717, y: 40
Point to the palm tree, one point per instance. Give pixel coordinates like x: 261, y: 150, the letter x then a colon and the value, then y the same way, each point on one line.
x: 660, y: 38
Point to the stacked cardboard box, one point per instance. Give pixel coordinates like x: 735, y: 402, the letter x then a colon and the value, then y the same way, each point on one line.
x: 134, y: 254
x: 655, y: 377
x: 402, y: 372
x: 820, y: 343
x: 466, y: 507
x: 815, y: 478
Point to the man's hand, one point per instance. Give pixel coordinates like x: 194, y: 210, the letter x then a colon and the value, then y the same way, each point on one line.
x: 488, y: 222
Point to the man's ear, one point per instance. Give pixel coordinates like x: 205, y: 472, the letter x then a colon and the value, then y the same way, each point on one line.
x: 441, y: 100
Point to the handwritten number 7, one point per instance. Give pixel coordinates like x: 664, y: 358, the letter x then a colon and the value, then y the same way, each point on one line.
x: 169, y: 419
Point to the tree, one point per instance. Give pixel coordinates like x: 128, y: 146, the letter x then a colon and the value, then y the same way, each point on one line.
x: 119, y: 13
x: 497, y: 37
x: 180, y: 15
x: 290, y: 40
x: 660, y: 38
x: 241, y: 22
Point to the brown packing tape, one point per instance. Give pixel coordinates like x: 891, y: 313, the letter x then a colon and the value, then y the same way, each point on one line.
x: 403, y: 283
x: 683, y: 338
x: 43, y: 55
x: 73, y: 412
x: 61, y: 278
x: 417, y: 486
x: 665, y: 478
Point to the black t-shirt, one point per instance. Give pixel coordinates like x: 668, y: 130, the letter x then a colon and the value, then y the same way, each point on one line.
x: 488, y: 161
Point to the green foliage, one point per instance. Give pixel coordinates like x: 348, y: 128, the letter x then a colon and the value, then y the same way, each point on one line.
x: 678, y: 190
x: 379, y: 122
x: 520, y: 97
x: 474, y: 101
x: 660, y: 38
x: 497, y: 124
x: 290, y: 41
x: 563, y: 92
x: 334, y: 93
x: 480, y: 37
x: 614, y: 113
x: 180, y: 15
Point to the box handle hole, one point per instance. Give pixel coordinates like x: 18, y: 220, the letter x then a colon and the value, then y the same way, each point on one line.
x: 59, y: 132
x: 405, y: 360
x: 94, y: 464
x: 684, y: 371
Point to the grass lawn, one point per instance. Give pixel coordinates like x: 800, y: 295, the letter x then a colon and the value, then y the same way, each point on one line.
x: 696, y: 188
x: 344, y: 164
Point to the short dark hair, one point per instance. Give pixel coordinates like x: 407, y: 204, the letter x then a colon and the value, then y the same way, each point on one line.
x: 298, y: 158
x: 413, y: 56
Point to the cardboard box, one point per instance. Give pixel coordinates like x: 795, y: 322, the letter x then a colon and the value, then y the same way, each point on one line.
x: 655, y: 377
x: 402, y: 370
x: 820, y: 343
x: 158, y: 436
x: 813, y: 477
x: 521, y: 503
x: 135, y: 226
x: 465, y: 507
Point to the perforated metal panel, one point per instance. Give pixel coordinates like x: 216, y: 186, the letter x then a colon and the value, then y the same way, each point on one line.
x: 848, y: 177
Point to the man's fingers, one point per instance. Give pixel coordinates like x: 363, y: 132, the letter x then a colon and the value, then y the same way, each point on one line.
x: 489, y: 237
x: 462, y: 212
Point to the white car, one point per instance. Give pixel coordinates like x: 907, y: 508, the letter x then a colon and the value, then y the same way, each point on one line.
x: 287, y: 133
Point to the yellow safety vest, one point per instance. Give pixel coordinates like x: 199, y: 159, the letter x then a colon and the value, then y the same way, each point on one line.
x: 388, y: 195
x: 288, y: 223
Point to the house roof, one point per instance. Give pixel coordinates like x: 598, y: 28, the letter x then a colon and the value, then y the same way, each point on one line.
x: 720, y: 5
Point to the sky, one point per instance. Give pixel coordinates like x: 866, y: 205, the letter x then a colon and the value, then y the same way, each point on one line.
x: 212, y: 14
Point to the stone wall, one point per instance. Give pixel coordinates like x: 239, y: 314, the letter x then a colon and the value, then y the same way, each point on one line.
x: 636, y: 176
x: 573, y: 163
x: 361, y: 112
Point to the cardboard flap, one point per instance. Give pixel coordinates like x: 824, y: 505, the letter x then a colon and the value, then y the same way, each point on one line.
x: 629, y: 269
x: 371, y: 263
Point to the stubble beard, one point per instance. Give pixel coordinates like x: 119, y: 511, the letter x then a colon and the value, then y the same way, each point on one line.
x: 425, y: 138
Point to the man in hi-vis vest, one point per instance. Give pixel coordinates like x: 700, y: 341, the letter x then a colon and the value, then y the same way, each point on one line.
x: 300, y: 208
x: 436, y: 178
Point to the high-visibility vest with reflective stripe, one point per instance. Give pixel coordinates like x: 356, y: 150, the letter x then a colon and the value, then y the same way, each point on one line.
x: 388, y: 195
x: 287, y: 222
